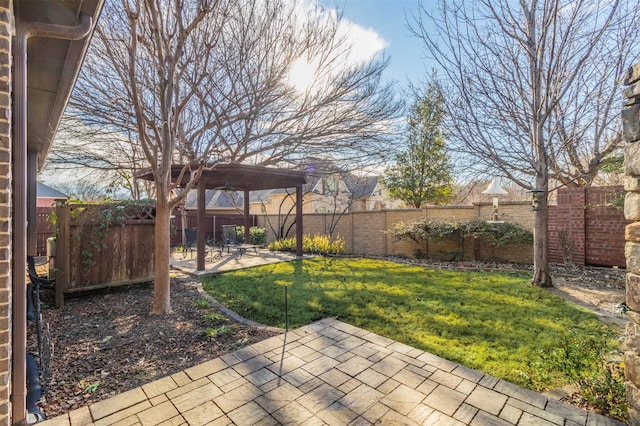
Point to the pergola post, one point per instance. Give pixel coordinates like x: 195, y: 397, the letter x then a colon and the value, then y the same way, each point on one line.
x: 201, y: 237
x: 247, y: 222
x: 299, y: 221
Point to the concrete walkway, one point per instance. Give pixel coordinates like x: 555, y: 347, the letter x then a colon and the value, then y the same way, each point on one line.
x: 330, y: 373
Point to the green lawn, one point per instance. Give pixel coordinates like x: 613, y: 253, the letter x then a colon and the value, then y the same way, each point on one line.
x: 493, y: 322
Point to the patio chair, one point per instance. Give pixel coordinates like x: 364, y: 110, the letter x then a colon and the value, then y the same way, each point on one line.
x: 229, y: 236
x: 191, y: 235
x: 215, y: 250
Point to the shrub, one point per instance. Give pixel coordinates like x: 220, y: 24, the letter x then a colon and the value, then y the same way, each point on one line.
x: 257, y: 235
x: 495, y: 234
x: 584, y: 362
x: 318, y: 244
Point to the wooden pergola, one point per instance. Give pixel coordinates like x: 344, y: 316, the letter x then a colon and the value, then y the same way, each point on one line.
x: 246, y: 178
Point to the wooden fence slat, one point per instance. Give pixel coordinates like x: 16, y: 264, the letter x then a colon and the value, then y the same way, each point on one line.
x: 118, y: 254
x: 62, y: 260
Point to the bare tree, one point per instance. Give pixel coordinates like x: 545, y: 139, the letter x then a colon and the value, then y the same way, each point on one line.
x: 340, y: 192
x: 283, y: 225
x: 532, y: 88
x: 109, y: 159
x: 208, y: 81
x: 82, y: 189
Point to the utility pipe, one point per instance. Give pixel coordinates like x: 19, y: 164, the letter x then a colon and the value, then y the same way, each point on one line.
x: 19, y: 316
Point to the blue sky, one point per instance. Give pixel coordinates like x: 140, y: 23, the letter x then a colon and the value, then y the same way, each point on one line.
x: 388, y: 18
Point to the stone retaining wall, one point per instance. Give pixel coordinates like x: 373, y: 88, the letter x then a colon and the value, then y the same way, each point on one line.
x: 631, y: 130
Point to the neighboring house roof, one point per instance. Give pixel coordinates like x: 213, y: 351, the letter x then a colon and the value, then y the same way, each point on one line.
x: 216, y: 200
x: 360, y: 186
x: 44, y: 191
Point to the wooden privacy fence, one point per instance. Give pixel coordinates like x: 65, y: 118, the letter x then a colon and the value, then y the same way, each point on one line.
x: 44, y: 229
x: 103, y: 245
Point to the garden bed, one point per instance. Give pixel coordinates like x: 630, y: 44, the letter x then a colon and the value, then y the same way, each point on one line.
x: 105, y: 343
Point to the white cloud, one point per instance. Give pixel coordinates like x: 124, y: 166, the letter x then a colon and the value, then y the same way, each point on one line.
x: 361, y: 45
x: 365, y: 42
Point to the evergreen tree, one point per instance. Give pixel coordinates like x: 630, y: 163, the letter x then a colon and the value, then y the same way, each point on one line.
x: 422, y: 173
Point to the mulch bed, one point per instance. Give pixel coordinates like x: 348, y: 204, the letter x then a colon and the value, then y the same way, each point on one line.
x: 106, y: 343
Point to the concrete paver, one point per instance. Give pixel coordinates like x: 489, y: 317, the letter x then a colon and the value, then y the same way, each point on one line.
x: 161, y: 413
x: 403, y: 399
x: 487, y: 399
x: 445, y: 400
x: 361, y: 398
x: 330, y: 373
x: 117, y: 403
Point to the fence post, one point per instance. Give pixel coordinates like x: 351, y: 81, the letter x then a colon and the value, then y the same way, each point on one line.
x: 62, y: 254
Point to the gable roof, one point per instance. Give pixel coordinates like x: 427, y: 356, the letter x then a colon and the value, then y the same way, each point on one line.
x: 44, y: 191
x: 360, y: 186
x: 216, y: 200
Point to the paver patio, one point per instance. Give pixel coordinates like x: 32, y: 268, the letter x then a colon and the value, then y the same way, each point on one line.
x: 229, y: 261
x: 330, y: 373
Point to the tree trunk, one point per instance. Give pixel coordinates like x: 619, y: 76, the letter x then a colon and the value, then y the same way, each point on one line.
x: 161, y: 288
x: 541, y: 273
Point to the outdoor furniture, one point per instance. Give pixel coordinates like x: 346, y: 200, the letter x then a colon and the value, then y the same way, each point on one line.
x: 229, y: 237
x: 33, y: 275
x: 34, y: 313
x: 214, y: 250
x: 242, y: 248
x: 190, y: 235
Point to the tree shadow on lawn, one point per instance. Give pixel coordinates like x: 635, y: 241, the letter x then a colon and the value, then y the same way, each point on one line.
x: 495, y: 322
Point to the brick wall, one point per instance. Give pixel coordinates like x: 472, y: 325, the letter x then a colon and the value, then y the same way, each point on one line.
x: 585, y: 227
x: 365, y: 232
x: 584, y: 222
x: 5, y: 211
x: 567, y: 227
x: 604, y: 230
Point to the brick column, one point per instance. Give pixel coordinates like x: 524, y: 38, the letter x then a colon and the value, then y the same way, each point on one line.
x: 6, y: 13
x: 631, y: 130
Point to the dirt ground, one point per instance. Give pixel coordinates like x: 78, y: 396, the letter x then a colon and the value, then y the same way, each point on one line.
x: 106, y: 343
x: 598, y: 297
